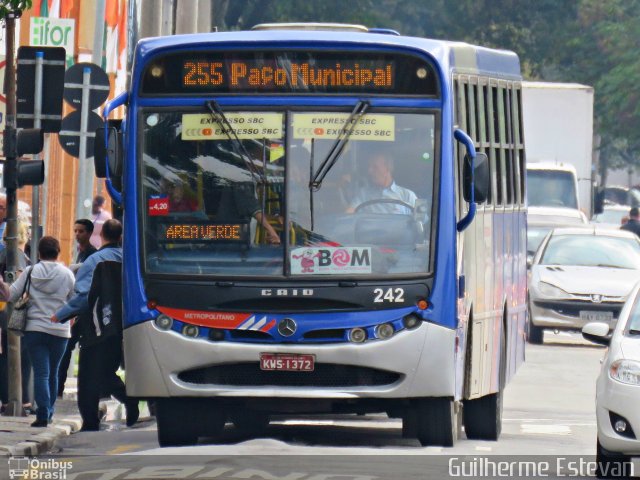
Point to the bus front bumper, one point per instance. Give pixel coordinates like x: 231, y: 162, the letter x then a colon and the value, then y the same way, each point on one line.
x: 416, y: 363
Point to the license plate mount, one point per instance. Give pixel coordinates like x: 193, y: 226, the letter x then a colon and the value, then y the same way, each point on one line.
x: 287, y: 362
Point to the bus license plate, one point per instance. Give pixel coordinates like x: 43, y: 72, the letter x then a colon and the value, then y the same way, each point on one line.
x: 287, y: 362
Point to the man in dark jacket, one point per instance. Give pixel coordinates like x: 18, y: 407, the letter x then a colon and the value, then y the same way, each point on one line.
x: 98, y: 304
x: 633, y: 225
x: 82, y: 229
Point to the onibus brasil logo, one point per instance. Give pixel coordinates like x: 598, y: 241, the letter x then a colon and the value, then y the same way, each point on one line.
x: 28, y: 468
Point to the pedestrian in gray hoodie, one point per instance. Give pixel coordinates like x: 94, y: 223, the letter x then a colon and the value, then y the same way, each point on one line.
x: 51, y: 285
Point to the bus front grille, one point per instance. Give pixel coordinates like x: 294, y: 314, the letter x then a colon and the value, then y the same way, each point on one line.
x: 324, y: 375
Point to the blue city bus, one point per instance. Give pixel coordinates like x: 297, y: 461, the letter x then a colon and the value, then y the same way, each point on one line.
x: 320, y: 220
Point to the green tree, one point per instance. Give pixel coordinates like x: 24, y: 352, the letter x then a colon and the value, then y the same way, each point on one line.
x: 15, y: 6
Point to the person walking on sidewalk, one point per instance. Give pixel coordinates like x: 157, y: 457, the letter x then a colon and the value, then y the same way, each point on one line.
x: 49, y: 284
x: 82, y: 229
x: 97, y: 303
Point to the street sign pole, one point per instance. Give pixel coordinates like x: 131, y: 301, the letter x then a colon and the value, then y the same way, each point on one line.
x: 35, y: 193
x: 85, y: 186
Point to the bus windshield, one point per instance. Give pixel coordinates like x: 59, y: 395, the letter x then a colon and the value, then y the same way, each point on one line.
x: 241, y: 204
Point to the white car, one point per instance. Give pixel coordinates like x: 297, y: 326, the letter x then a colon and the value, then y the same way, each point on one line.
x: 618, y: 388
x: 541, y: 220
x: 580, y: 275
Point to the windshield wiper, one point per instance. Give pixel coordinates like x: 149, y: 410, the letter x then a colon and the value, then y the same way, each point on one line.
x: 634, y: 331
x: 338, y: 146
x: 218, y: 116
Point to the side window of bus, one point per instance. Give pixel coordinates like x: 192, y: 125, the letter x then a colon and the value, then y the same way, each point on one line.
x: 460, y: 97
x: 506, y: 143
x: 482, y: 143
x: 520, y: 143
x: 491, y: 98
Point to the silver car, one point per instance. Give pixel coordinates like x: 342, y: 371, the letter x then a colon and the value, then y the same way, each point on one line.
x: 618, y: 389
x: 581, y: 275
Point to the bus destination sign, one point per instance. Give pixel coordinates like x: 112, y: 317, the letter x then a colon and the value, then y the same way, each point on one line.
x: 241, y: 74
x: 201, y: 232
x: 278, y: 72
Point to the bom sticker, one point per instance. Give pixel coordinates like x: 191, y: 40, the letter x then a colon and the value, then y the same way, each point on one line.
x: 331, y: 260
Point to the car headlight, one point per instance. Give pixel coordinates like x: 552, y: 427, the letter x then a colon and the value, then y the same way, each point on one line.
x: 625, y: 371
x: 551, y: 291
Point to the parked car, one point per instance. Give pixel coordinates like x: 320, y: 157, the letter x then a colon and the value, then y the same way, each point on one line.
x: 581, y: 275
x: 541, y: 220
x: 622, y: 196
x: 618, y: 389
x: 611, y: 216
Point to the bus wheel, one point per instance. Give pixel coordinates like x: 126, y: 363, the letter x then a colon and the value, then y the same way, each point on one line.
x: 436, y: 421
x: 250, y: 422
x: 483, y: 417
x: 176, y: 424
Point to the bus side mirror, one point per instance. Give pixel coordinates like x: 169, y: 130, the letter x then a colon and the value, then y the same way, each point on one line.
x: 598, y: 201
x: 109, y: 151
x: 480, y: 178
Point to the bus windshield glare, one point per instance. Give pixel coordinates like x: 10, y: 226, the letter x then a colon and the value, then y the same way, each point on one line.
x: 240, y: 204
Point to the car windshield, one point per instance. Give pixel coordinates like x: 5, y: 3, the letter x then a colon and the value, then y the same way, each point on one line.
x: 535, y: 235
x: 592, y: 251
x: 633, y: 323
x: 551, y: 188
x: 242, y: 206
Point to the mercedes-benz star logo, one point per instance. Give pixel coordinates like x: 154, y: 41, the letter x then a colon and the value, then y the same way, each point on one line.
x: 287, y: 327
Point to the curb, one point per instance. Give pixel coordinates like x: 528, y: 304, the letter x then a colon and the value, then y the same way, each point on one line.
x: 42, y: 442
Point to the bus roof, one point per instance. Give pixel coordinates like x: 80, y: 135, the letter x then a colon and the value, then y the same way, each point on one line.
x: 458, y: 56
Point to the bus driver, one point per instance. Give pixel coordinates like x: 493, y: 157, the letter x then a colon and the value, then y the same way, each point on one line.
x: 382, y: 187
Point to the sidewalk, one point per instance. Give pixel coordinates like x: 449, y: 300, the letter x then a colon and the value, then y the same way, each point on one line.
x: 18, y: 438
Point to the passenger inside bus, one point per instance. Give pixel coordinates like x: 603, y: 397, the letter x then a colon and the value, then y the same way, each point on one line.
x: 181, y: 197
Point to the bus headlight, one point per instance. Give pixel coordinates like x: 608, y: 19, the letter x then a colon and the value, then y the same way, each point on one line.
x: 411, y: 321
x: 164, y: 322
x: 384, y: 331
x: 357, y: 335
x: 190, y: 331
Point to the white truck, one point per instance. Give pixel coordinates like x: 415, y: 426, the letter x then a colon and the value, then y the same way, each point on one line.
x: 558, y: 135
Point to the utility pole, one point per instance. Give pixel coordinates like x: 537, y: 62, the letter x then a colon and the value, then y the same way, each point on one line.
x: 14, y: 408
x: 17, y: 173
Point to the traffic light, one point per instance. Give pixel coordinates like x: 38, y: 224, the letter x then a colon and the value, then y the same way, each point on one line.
x: 22, y: 172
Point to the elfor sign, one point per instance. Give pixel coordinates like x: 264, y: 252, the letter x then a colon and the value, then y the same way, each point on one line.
x: 53, y: 32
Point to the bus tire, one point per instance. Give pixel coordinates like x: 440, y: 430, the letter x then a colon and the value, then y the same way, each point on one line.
x: 482, y: 417
x: 250, y: 422
x: 176, y: 425
x: 436, y: 421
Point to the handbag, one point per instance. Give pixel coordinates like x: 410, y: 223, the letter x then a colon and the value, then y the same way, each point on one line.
x: 18, y: 319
